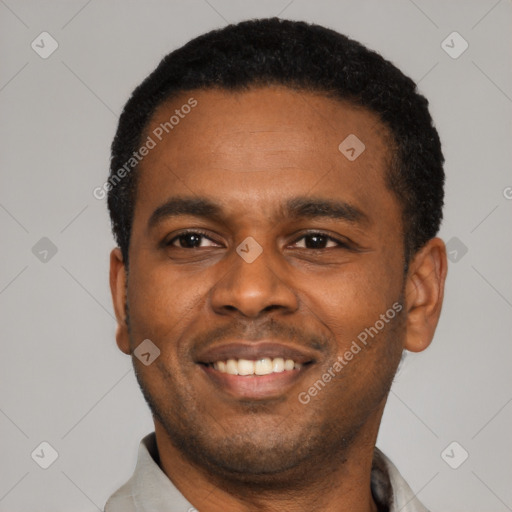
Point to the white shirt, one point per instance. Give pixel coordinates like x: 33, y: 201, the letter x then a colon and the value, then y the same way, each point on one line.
x: 150, y: 490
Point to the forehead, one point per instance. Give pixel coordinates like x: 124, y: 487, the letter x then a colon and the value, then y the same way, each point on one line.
x: 263, y: 144
x: 267, y: 119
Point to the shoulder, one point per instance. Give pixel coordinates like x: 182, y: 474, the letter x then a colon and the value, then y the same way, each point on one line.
x: 390, y: 485
x: 122, y: 499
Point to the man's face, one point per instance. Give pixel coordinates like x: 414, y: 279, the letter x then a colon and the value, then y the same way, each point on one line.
x: 331, y: 263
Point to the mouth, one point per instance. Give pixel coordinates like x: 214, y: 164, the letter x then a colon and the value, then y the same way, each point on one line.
x: 264, y: 366
x: 257, y: 371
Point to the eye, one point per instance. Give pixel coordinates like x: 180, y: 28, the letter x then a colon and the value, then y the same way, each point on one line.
x: 319, y: 241
x: 198, y: 239
x: 191, y: 240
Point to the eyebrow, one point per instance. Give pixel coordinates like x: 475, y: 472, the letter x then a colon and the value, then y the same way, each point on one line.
x: 176, y: 206
x: 296, y: 208
x: 307, y: 207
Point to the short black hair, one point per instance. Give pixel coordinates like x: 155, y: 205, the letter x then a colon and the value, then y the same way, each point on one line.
x: 299, y: 55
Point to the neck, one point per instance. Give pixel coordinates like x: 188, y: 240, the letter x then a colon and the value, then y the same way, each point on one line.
x: 339, y: 484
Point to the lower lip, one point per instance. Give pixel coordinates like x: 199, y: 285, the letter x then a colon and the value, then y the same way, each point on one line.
x: 255, y: 387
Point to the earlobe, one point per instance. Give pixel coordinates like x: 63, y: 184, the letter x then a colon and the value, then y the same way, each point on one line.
x: 424, y: 294
x: 118, y: 291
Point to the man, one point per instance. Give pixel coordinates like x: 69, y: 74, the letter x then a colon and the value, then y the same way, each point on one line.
x: 275, y: 191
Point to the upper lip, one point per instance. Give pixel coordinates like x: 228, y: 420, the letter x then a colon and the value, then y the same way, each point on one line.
x: 253, y: 351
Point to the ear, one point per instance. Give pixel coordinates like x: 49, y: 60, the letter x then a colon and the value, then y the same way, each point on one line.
x: 118, y: 291
x: 424, y: 294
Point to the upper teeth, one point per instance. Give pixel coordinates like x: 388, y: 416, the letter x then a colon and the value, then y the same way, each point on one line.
x: 260, y: 367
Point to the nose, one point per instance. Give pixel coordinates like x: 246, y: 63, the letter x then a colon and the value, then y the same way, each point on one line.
x: 252, y: 287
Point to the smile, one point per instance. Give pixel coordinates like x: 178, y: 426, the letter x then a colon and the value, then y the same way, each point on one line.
x: 263, y: 366
x: 256, y: 370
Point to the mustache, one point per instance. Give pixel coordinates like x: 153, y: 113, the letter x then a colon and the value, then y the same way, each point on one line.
x: 261, y: 330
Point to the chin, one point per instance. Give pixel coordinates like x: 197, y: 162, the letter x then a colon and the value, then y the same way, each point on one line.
x: 263, y: 456
x: 250, y: 459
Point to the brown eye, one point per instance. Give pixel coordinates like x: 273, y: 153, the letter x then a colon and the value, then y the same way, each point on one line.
x: 319, y: 241
x: 190, y: 240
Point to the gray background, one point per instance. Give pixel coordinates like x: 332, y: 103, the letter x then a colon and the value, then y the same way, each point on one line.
x: 63, y: 379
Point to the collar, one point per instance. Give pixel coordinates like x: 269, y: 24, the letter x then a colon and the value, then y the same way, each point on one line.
x: 150, y: 490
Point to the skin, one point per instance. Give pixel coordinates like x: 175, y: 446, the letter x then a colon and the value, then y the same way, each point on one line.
x: 251, y: 152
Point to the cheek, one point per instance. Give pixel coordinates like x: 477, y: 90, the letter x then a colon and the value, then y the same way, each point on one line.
x: 163, y: 302
x: 352, y: 299
x: 361, y: 309
x: 164, y: 305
